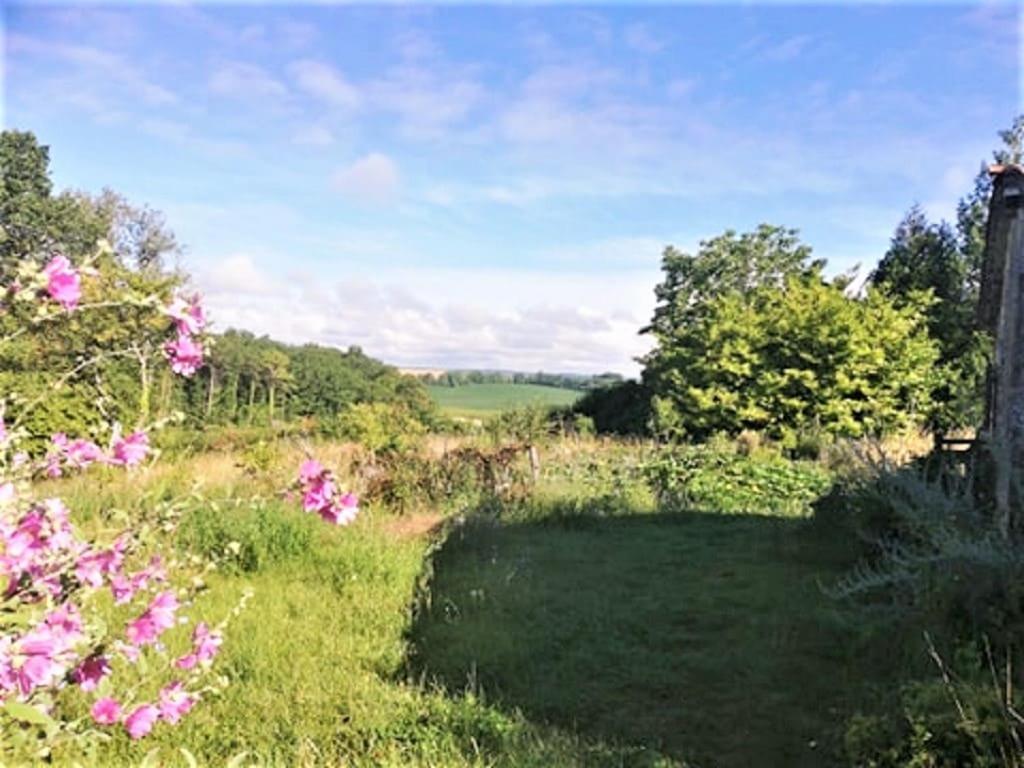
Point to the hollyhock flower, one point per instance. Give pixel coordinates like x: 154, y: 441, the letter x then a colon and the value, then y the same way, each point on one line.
x: 188, y: 315
x: 7, y: 493
x: 175, y: 702
x: 91, y: 671
x: 3, y: 431
x: 131, y: 450
x: 141, y: 720
x: 185, y: 354
x: 205, y: 645
x: 318, y: 494
x: 310, y: 470
x: 81, y: 453
x: 106, y: 711
x: 340, y: 514
x: 63, y: 282
x: 159, y: 617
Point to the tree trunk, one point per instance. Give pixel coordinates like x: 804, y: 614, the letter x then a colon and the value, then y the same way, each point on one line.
x: 252, y: 398
x: 270, y: 403
x: 211, y: 391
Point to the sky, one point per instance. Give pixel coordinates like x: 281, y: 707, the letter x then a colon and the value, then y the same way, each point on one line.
x: 491, y: 186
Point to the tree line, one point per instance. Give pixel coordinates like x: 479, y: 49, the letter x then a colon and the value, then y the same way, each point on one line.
x: 576, y: 381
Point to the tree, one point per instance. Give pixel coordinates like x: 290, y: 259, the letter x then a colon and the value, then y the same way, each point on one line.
x: 724, y: 264
x: 801, y: 356
x: 33, y: 223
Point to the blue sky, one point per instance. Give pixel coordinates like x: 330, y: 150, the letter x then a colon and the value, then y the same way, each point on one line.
x: 491, y: 186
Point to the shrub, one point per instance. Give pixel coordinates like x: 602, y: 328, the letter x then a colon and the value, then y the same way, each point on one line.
x: 700, y: 478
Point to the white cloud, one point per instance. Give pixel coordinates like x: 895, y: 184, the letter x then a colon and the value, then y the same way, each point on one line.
x: 324, y: 82
x: 373, y: 178
x: 526, y: 320
x: 96, y: 70
x: 426, y: 100
x: 245, y: 81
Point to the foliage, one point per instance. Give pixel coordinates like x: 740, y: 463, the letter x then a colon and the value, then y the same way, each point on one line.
x: 699, y: 478
x: 381, y: 428
x: 725, y: 264
x: 801, y: 356
x: 968, y: 715
x: 618, y: 409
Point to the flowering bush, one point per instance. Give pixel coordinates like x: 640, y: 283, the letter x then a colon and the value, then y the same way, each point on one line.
x: 59, y: 589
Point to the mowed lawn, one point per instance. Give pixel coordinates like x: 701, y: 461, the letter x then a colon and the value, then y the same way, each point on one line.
x: 703, y: 638
x: 477, y: 400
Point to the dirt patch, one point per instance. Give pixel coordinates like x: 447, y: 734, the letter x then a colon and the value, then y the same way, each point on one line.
x: 410, y: 526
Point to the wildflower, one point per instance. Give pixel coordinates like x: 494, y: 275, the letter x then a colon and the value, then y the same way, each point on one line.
x: 131, y: 450
x: 63, y: 282
x: 188, y: 315
x: 185, y: 354
x: 141, y: 720
x: 91, y: 671
x: 205, y: 645
x: 175, y: 702
x: 106, y: 711
x: 159, y: 617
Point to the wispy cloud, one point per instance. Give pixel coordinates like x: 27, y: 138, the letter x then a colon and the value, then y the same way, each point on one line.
x: 242, y: 80
x: 372, y: 178
x: 326, y: 83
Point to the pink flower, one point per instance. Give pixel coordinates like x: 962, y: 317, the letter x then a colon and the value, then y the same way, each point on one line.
x: 188, y: 315
x: 131, y: 450
x: 7, y: 493
x: 339, y: 513
x: 205, y: 645
x: 185, y: 354
x: 175, y: 702
x: 310, y: 470
x: 62, y: 282
x: 91, y: 671
x: 318, y: 494
x: 141, y: 720
x: 81, y: 453
x: 158, y: 618
x: 106, y: 711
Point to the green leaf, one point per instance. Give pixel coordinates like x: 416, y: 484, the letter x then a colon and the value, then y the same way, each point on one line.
x: 189, y: 758
x: 27, y: 713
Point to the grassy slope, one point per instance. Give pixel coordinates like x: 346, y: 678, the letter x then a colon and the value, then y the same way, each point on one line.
x: 477, y: 400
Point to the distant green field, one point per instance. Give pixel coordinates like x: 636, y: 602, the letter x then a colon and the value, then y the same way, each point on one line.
x: 475, y: 400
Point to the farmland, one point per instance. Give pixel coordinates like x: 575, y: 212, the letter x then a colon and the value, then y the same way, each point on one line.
x: 481, y: 400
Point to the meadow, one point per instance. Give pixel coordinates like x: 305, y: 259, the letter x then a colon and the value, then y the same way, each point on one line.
x: 583, y: 620
x: 482, y: 400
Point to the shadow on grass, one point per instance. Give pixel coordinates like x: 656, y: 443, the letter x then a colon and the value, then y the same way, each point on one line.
x: 705, y: 637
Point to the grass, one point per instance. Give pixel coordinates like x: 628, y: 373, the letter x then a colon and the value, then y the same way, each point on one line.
x: 703, y: 637
x: 481, y: 400
x: 584, y: 627
x: 317, y: 660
